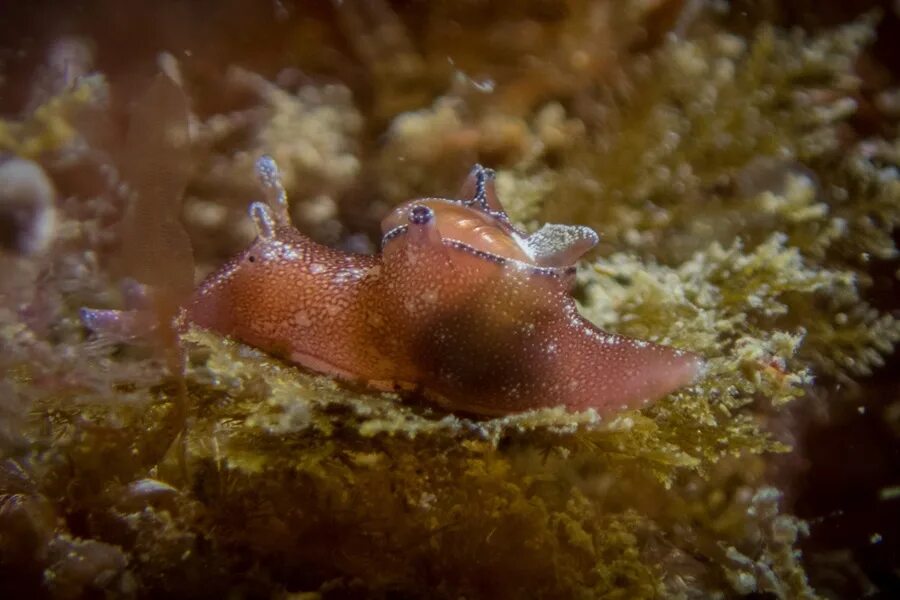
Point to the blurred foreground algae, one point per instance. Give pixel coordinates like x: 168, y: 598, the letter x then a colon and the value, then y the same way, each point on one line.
x: 748, y: 217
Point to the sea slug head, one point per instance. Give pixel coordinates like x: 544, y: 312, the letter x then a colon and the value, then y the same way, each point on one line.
x: 237, y: 293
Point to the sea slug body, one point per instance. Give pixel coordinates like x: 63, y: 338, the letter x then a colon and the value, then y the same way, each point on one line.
x: 460, y: 304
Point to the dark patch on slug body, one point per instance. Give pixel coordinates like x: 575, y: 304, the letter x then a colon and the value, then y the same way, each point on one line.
x: 464, y: 351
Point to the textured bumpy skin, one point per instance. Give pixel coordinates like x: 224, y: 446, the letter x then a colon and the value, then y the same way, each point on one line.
x: 460, y: 304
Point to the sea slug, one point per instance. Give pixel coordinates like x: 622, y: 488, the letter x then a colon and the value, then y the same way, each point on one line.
x: 460, y: 305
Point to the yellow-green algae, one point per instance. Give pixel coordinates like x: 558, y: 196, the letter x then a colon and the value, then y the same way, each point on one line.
x: 50, y: 126
x: 281, y: 482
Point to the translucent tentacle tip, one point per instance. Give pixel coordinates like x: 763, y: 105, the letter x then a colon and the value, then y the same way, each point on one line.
x: 270, y: 180
x: 267, y: 171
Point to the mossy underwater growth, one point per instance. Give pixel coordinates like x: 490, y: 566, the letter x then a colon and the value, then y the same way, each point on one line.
x: 744, y: 216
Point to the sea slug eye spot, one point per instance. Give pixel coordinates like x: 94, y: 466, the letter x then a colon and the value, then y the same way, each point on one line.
x: 251, y: 258
x: 420, y: 215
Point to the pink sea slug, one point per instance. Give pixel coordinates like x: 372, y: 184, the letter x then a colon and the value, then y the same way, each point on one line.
x: 460, y: 305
